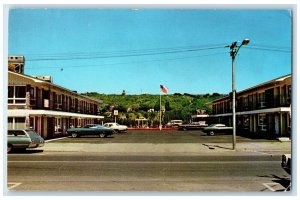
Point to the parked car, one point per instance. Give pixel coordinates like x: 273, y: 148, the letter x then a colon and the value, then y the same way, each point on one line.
x: 22, y: 139
x: 217, y: 128
x: 174, y: 123
x: 193, y: 126
x: 286, y: 162
x: 116, y: 127
x: 90, y: 129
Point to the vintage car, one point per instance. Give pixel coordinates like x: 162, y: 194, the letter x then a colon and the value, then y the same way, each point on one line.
x: 90, y: 129
x: 116, y: 127
x: 174, y: 123
x: 193, y: 126
x: 286, y: 162
x: 217, y: 128
x: 22, y: 139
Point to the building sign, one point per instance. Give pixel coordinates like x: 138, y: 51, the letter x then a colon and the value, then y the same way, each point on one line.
x: 116, y: 112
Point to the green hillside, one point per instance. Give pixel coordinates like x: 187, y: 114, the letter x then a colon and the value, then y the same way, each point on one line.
x: 131, y: 107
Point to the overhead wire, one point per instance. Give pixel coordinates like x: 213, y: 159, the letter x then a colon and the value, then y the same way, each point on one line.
x: 143, y: 52
x: 120, y: 54
x: 135, y: 62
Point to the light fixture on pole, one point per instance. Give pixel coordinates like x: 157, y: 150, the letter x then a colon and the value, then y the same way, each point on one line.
x: 234, y: 49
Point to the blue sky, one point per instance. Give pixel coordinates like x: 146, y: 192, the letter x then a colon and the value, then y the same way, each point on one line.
x: 108, y: 51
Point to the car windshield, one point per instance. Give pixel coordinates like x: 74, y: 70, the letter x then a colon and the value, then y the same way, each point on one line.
x: 89, y: 125
x: 33, y: 134
x: 97, y: 126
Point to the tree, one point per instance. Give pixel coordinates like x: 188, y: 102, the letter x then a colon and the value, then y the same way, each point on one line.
x: 157, y: 106
x: 167, y: 106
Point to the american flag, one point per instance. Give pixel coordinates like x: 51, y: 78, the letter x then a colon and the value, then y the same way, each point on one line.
x: 164, y: 89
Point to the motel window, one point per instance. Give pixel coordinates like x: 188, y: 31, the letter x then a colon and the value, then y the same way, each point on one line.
x: 19, y: 123
x: 31, y: 123
x: 262, y: 122
x: 261, y: 100
x: 57, y: 125
x: 59, y: 101
x: 289, y: 92
x: 20, y: 91
x: 245, y: 101
x: 58, y: 98
x: 10, y: 123
x: 16, y: 94
x: 10, y: 91
x: 10, y: 94
x: 32, y: 93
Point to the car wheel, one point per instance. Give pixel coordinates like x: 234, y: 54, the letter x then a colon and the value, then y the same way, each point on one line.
x: 9, y: 148
x: 211, y: 133
x: 114, y: 132
x: 102, y: 135
x: 184, y: 129
x: 74, y: 135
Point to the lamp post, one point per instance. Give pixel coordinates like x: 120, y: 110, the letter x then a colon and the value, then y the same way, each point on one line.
x: 234, y: 49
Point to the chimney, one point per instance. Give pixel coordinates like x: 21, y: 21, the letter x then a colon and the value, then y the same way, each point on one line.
x: 16, y: 63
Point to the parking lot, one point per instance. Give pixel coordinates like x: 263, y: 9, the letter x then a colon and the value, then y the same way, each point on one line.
x: 173, y: 136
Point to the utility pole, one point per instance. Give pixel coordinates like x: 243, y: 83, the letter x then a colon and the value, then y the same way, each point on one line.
x: 234, y: 49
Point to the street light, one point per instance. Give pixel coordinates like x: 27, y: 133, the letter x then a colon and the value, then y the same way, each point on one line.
x: 234, y: 49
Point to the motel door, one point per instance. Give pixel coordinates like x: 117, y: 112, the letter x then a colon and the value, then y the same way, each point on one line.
x: 277, y: 124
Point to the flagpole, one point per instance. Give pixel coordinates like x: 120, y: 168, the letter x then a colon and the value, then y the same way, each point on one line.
x: 160, y: 111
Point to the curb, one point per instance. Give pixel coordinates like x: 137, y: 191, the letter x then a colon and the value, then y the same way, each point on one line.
x: 195, y: 148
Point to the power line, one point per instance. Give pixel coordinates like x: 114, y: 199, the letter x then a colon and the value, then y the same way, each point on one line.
x: 269, y: 48
x: 120, y: 55
x: 144, y: 52
x: 134, y: 62
x: 96, y: 55
x: 125, y: 52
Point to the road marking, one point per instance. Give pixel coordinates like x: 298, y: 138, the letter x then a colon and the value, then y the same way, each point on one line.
x: 270, y: 186
x: 136, y: 162
x: 13, y: 185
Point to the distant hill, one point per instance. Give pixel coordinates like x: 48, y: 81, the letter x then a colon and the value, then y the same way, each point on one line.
x: 131, y: 107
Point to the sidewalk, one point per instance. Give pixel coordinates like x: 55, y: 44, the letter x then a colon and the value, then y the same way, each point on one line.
x: 274, y: 147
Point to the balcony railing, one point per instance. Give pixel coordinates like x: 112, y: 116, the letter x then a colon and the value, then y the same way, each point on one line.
x: 278, y: 101
x: 52, y: 105
x: 16, y: 101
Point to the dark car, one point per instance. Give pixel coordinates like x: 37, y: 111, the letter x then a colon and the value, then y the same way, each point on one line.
x: 90, y: 129
x: 286, y: 164
x: 217, y: 128
x: 193, y: 126
x: 22, y: 139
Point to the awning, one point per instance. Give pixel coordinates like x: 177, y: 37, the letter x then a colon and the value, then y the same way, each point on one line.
x: 252, y: 112
x: 49, y: 113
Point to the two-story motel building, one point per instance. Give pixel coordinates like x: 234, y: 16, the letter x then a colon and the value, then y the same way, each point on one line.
x: 263, y: 109
x: 36, y: 102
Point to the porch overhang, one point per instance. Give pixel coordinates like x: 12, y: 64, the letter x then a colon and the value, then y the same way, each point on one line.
x: 253, y: 112
x: 50, y: 113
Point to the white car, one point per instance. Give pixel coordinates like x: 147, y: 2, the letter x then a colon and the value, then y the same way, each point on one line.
x: 116, y: 127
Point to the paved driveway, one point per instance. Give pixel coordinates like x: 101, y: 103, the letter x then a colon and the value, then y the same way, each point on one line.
x: 167, y: 142
x: 155, y: 137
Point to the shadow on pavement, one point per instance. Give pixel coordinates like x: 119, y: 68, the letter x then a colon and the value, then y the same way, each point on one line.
x: 283, y: 181
x: 216, y: 146
x: 27, y: 151
x: 258, y: 136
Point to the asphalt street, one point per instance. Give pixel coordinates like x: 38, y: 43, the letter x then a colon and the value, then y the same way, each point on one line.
x: 90, y: 172
x: 150, y: 165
